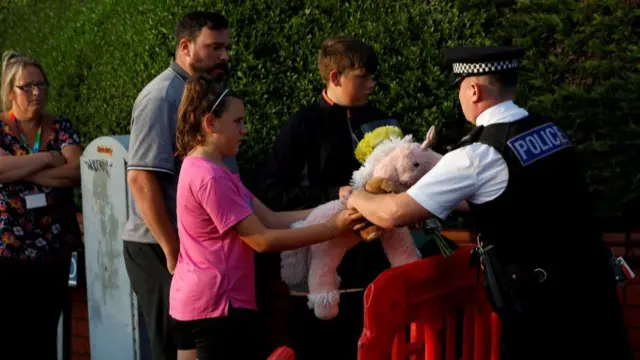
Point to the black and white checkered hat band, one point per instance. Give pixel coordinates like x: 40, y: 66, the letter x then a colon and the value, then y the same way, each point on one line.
x: 483, y: 68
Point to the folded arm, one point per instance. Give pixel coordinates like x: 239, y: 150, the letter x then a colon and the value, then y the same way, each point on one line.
x: 14, y: 168
x: 65, y: 176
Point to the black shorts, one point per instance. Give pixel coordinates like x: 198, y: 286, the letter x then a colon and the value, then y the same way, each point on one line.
x: 234, y: 336
x: 151, y: 281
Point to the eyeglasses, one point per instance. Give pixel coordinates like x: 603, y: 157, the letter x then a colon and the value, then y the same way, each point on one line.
x: 30, y: 87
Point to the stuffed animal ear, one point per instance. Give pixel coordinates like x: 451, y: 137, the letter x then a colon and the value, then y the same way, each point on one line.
x: 374, y: 185
x: 390, y: 187
x: 430, y: 139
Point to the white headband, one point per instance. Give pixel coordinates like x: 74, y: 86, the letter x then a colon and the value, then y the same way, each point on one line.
x: 218, y: 101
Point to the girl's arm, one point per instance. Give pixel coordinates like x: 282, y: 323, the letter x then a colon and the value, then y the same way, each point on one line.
x: 231, y: 208
x: 262, y: 239
x: 277, y: 220
x: 65, y: 176
x: 14, y: 168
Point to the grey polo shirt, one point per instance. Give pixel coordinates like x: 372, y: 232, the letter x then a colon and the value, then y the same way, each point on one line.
x: 152, y: 144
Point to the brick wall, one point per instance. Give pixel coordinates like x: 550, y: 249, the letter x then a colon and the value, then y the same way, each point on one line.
x: 80, y: 346
x: 628, y: 246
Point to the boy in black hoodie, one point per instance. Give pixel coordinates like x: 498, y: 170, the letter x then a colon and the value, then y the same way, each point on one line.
x: 311, y: 163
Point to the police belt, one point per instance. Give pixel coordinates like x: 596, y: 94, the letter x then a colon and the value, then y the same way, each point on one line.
x: 511, y: 287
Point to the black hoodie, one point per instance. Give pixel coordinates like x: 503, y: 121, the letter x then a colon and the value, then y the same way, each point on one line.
x: 313, y: 156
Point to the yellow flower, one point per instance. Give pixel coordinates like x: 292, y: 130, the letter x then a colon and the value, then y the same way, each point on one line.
x: 372, y: 139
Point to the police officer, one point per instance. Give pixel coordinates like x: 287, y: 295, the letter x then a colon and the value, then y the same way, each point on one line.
x: 548, y: 273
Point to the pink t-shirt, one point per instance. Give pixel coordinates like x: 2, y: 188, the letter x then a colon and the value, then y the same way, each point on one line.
x: 215, y: 266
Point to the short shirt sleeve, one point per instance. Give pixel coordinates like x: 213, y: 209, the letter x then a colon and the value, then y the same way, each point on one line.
x: 226, y: 202
x: 66, y: 133
x: 476, y: 173
x: 151, y: 144
x: 452, y: 180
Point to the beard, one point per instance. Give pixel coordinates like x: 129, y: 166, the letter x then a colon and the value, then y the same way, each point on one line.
x: 218, y: 70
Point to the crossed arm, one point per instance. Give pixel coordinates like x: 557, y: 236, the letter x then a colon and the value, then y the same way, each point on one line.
x: 64, y: 176
x: 40, y: 168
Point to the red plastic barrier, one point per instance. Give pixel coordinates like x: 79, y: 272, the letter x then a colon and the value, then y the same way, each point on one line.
x: 427, y: 300
x: 282, y: 353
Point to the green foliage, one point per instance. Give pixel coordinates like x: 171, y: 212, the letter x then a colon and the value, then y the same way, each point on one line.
x: 580, y: 68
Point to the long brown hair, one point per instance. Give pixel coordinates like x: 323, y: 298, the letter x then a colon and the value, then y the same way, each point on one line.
x: 201, y: 92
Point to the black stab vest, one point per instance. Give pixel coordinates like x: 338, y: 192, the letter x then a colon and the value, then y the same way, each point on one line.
x: 543, y: 215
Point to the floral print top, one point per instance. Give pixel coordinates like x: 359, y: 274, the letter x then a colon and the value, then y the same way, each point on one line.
x: 34, y: 234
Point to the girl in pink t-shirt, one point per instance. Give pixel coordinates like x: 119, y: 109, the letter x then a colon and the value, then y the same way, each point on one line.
x: 220, y: 225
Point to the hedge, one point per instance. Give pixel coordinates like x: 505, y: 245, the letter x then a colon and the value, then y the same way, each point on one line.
x: 580, y: 68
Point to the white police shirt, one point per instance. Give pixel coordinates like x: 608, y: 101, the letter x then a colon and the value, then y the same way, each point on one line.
x: 476, y: 172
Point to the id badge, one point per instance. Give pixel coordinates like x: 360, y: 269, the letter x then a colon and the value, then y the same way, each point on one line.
x: 36, y: 201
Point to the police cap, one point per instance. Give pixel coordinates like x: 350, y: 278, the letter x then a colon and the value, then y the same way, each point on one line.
x: 482, y: 60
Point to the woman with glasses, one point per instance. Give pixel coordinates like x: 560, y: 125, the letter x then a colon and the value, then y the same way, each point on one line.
x: 39, y: 167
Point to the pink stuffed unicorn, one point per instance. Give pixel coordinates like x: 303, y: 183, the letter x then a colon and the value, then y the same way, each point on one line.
x: 395, y: 164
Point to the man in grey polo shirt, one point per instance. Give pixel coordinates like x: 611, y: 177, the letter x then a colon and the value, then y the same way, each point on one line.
x: 150, y: 237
